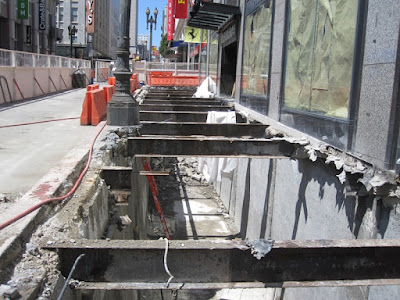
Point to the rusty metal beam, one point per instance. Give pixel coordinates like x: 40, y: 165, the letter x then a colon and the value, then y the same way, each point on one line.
x: 120, y: 177
x: 182, y: 102
x: 158, y: 146
x: 117, y: 286
x: 334, y: 261
x: 168, y: 116
x: 180, y: 107
x: 167, y: 91
x: 171, y: 97
x: 205, y: 129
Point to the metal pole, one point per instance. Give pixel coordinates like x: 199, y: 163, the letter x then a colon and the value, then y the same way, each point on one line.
x: 122, y: 109
x: 70, y: 37
x: 188, y: 57
x: 151, y: 39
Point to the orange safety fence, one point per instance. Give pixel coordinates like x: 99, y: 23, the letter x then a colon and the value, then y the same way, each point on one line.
x: 173, y: 80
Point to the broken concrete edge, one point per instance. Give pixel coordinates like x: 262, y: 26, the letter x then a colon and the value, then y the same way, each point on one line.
x: 74, y: 221
x: 56, y: 182
x: 140, y: 94
x: 375, y: 181
x: 21, y: 230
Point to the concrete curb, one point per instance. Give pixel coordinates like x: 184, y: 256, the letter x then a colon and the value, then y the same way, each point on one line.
x: 56, y: 182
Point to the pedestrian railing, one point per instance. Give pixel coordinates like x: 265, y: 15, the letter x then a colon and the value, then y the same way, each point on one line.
x: 10, y: 58
x: 28, y: 74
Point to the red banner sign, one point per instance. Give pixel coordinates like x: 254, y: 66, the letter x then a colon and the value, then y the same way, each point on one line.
x: 171, y: 20
x: 181, y: 9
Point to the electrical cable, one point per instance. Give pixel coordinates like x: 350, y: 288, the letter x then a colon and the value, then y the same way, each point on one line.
x: 69, y: 276
x: 38, y: 122
x: 40, y: 204
x: 165, y: 263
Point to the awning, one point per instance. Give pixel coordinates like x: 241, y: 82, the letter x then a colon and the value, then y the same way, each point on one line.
x: 209, y: 15
x: 176, y: 43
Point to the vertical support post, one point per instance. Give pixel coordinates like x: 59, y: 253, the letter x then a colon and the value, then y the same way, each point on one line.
x: 208, y: 53
x: 13, y: 59
x: 122, y: 109
x: 151, y: 41
x: 199, y: 62
x: 188, y: 57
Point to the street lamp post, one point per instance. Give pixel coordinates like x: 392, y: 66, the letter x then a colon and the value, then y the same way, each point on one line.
x: 72, y: 31
x: 151, y: 20
x: 123, y: 109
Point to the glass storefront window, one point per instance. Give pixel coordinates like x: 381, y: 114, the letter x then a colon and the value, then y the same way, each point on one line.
x: 256, y: 51
x: 320, y: 50
x: 213, y: 59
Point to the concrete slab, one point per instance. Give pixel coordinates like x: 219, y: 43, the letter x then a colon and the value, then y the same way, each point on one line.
x: 38, y: 161
x: 27, y: 153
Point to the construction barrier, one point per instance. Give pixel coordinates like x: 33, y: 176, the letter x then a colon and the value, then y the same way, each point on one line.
x: 86, y: 115
x: 109, y: 91
x: 135, y: 77
x: 94, y: 107
x: 93, y: 87
x: 99, y: 106
x: 111, y: 80
x: 168, y: 79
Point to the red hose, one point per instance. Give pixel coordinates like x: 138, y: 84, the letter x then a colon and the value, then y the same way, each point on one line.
x: 38, y: 122
x: 36, y: 206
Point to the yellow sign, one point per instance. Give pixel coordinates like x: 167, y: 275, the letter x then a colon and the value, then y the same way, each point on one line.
x: 192, y: 34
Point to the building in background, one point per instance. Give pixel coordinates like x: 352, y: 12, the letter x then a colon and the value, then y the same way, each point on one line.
x: 133, y: 29
x: 143, y: 45
x: 97, y: 23
x: 165, y: 21
x: 28, y: 25
x: 71, y: 13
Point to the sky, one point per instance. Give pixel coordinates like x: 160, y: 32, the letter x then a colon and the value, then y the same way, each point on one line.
x: 151, y: 4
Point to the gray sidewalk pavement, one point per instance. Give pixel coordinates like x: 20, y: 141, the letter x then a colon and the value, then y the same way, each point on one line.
x: 35, y: 160
x: 27, y: 153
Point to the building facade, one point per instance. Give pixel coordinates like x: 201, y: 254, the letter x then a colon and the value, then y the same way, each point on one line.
x: 133, y: 28
x: 143, y: 45
x: 164, y: 23
x: 97, y: 24
x: 326, y: 73
x: 28, y: 25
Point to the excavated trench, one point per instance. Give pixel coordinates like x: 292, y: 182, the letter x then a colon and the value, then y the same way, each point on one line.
x: 115, y: 204
x: 113, y: 220
x: 191, y: 206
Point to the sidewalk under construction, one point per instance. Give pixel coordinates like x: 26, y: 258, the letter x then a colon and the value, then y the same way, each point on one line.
x: 145, y: 219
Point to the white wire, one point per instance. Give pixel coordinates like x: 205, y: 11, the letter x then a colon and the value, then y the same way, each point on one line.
x: 165, y: 262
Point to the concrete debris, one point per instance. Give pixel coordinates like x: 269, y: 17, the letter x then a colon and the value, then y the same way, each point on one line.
x: 273, y: 133
x: 371, y: 177
x: 32, y: 249
x: 342, y: 177
x: 312, y: 154
x: 111, y: 141
x: 260, y: 248
x: 7, y: 292
x: 125, y: 220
